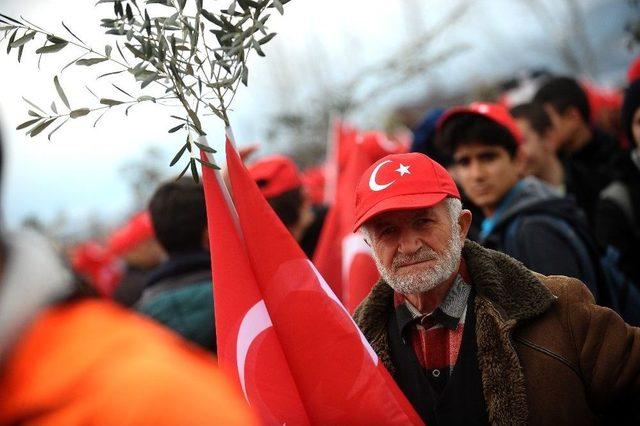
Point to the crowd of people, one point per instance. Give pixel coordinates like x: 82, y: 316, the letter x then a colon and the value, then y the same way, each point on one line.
x: 490, y: 263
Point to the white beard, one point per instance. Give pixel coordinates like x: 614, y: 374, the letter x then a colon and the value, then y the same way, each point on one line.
x: 429, y: 278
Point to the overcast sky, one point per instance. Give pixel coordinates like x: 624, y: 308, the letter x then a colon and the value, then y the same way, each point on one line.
x: 78, y: 171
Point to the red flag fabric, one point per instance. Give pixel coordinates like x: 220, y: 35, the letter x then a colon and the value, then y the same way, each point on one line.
x: 248, y: 347
x: 341, y: 256
x: 337, y: 375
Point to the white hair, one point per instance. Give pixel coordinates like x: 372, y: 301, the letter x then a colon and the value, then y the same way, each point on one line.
x: 454, y: 207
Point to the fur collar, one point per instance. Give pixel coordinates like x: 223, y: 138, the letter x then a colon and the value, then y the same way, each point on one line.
x: 506, y: 293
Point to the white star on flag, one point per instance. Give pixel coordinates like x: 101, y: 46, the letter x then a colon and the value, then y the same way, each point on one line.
x: 403, y: 170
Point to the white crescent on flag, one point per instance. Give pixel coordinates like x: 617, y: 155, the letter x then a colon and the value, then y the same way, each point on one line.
x: 255, y: 321
x: 375, y: 186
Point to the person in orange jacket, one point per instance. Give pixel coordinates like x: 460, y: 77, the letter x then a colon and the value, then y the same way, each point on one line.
x: 67, y: 359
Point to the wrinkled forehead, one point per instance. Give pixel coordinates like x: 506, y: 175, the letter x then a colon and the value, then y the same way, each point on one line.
x: 408, y: 215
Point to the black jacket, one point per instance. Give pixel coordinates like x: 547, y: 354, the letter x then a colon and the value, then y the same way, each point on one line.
x: 544, y: 231
x: 590, y: 169
x: 618, y: 217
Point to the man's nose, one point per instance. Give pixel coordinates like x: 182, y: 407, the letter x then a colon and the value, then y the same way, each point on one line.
x: 409, y: 242
x: 476, y: 170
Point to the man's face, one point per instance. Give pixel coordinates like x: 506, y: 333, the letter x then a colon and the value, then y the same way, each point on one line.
x: 416, y: 250
x: 486, y: 173
x: 534, y: 149
x: 565, y: 125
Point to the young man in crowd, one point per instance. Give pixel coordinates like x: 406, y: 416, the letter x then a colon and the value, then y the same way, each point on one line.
x: 279, y: 180
x: 67, y: 359
x: 524, y: 217
x: 470, y: 335
x: 589, y: 155
x: 179, y: 292
x: 539, y: 145
x: 618, y: 214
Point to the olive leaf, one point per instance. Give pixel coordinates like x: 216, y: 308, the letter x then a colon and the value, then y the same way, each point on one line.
x: 193, y: 58
x: 61, y: 92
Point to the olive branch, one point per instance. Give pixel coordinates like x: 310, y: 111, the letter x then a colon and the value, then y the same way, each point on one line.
x: 198, y: 57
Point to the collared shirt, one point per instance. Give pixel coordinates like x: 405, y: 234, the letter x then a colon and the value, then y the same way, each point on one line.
x: 435, y: 337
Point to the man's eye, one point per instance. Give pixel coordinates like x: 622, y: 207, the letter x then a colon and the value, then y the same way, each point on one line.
x: 386, y: 231
x: 462, y: 162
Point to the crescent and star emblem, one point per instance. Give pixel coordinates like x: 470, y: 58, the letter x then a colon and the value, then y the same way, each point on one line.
x: 375, y: 186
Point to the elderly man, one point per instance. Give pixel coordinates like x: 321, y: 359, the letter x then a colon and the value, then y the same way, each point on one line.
x: 470, y: 335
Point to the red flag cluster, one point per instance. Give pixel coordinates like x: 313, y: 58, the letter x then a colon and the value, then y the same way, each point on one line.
x: 342, y: 257
x: 282, y: 333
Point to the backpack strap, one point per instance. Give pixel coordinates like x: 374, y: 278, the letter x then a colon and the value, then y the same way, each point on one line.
x: 582, y: 244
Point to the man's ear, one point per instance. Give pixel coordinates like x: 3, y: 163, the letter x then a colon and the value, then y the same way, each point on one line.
x: 465, y: 223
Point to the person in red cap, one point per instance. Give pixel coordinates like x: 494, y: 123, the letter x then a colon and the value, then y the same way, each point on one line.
x: 279, y: 180
x: 523, y: 217
x: 135, y: 243
x: 470, y: 335
x: 97, y: 267
x: 589, y: 155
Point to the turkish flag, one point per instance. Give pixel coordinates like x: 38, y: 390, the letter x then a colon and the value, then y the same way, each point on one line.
x: 336, y: 374
x: 342, y: 256
x: 248, y: 347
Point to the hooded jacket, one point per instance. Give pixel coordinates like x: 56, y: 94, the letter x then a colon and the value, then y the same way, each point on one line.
x: 547, y: 354
x: 179, y: 295
x: 80, y: 361
x: 546, y: 232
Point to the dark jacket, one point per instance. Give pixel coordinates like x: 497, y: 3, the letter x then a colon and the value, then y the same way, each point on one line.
x: 523, y: 230
x: 131, y: 286
x: 547, y: 354
x: 618, y: 218
x: 179, y: 294
x: 590, y: 169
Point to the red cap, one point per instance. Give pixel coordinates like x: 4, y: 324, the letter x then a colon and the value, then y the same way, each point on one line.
x: 100, y: 268
x: 633, y: 72
x: 495, y: 112
x: 275, y: 175
x: 314, y: 180
x: 400, y: 182
x: 134, y: 232
x: 377, y: 144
